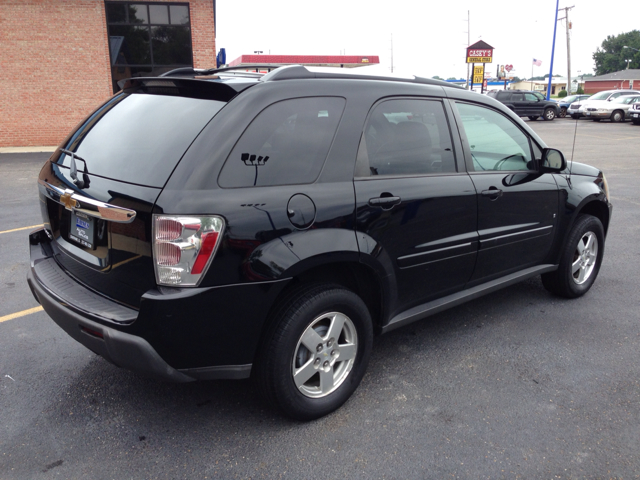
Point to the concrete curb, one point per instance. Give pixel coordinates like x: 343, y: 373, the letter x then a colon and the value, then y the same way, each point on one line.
x: 26, y: 149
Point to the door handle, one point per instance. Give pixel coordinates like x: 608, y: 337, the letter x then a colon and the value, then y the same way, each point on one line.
x: 493, y: 193
x: 384, y: 202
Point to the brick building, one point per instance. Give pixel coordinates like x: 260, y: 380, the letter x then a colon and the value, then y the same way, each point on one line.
x: 613, y: 81
x: 60, y: 59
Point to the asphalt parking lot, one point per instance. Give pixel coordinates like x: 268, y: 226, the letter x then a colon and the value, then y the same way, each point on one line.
x: 517, y: 384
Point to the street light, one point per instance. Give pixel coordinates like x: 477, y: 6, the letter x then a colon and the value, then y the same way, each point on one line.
x: 629, y: 60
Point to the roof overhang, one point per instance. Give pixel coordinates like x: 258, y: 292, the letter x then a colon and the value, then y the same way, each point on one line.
x: 345, y: 61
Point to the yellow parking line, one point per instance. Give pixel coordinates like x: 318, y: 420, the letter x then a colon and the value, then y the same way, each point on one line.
x: 20, y: 314
x: 21, y: 228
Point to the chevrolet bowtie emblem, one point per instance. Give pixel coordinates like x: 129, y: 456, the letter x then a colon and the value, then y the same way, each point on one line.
x: 68, y: 202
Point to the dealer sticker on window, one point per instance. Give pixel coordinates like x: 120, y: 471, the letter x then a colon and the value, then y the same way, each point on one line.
x: 81, y: 229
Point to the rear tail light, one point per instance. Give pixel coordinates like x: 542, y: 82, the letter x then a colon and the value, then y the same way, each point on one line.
x: 183, y: 247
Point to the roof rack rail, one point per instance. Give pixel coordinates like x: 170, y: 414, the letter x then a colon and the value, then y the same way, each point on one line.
x: 190, y: 71
x: 291, y: 72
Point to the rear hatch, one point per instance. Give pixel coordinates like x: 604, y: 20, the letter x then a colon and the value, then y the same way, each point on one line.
x: 98, y: 190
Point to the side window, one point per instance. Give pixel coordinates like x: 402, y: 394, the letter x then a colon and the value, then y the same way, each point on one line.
x: 615, y: 95
x: 530, y: 97
x: 496, y: 142
x: 287, y: 143
x: 517, y: 97
x: 503, y: 96
x: 406, y: 137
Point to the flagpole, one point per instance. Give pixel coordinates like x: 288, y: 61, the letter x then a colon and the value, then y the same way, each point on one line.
x: 553, y: 49
x: 531, y: 78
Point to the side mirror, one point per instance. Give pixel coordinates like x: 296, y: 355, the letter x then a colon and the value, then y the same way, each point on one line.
x: 553, y: 160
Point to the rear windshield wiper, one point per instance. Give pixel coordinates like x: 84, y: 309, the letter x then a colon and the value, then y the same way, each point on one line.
x: 84, y: 183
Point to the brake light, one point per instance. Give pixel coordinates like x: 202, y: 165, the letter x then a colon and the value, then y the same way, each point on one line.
x: 183, y: 247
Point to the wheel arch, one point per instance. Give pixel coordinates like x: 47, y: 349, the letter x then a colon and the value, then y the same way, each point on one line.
x: 349, y: 274
x: 596, y: 207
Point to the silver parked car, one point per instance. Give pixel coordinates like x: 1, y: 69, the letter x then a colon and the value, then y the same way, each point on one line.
x: 596, y: 101
x: 615, y: 110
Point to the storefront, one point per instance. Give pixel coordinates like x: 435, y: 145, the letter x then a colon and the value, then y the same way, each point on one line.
x: 63, y: 58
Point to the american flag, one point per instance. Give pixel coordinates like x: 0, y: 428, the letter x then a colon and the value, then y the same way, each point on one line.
x: 537, y: 62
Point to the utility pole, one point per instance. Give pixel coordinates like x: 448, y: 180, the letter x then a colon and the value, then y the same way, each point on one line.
x: 568, y: 25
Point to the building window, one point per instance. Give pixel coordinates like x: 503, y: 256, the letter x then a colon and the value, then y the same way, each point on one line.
x: 147, y: 39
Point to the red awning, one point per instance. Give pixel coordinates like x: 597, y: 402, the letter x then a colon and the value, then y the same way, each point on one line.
x: 346, y: 61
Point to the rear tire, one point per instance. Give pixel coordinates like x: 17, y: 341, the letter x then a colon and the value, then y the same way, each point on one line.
x: 580, y: 260
x: 575, y: 116
x: 316, y: 352
x: 549, y: 114
x: 533, y: 117
x: 563, y: 112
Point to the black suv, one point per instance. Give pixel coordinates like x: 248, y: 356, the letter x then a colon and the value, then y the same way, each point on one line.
x: 209, y: 225
x: 527, y: 104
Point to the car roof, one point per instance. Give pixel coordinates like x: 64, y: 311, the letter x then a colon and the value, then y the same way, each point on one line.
x: 240, y: 74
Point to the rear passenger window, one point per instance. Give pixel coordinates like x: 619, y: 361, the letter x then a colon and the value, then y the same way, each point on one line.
x: 406, y: 137
x: 287, y: 143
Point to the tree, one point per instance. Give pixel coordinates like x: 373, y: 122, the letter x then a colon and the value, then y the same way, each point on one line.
x: 436, y: 77
x: 611, y: 57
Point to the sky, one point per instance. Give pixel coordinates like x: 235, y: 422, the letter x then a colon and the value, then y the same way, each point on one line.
x: 429, y: 37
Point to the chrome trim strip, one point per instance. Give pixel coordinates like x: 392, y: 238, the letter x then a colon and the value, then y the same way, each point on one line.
x: 514, y: 234
x: 435, y: 306
x: 455, y: 238
x: 435, y: 251
x: 89, y: 206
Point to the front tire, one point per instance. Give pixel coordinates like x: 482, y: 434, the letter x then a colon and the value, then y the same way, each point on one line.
x: 580, y: 261
x: 315, y: 353
x: 617, y: 116
x: 549, y: 114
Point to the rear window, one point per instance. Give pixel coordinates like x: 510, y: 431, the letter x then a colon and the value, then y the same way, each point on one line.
x: 287, y: 143
x: 139, y: 138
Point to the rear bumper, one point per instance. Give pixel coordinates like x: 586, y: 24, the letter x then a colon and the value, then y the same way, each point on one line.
x: 121, y: 349
x: 179, y: 335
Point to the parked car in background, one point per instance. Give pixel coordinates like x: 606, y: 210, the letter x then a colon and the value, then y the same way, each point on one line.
x: 634, y: 113
x: 577, y: 109
x: 564, y: 103
x: 201, y: 225
x: 527, y: 104
x: 616, y: 110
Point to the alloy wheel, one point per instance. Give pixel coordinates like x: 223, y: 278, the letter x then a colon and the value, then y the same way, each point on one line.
x: 325, y: 355
x: 584, y: 258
